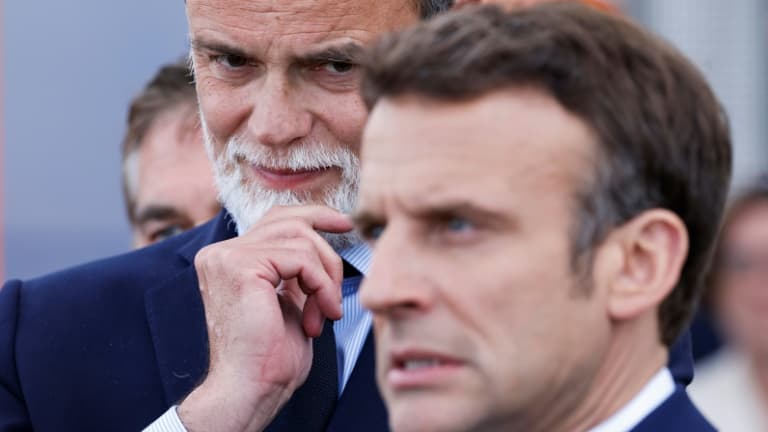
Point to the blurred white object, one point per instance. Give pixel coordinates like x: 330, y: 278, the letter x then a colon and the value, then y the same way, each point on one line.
x: 726, y: 393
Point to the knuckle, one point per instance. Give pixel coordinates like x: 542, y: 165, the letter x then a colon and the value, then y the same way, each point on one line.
x: 212, y: 255
x: 304, y: 245
x: 338, y: 263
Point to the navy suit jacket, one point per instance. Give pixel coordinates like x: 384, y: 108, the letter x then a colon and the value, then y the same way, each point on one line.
x: 676, y: 414
x: 111, y: 345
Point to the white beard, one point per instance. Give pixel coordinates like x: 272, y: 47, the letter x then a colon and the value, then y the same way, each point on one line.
x: 247, y: 201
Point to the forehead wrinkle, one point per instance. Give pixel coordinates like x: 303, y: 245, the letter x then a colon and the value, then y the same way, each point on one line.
x: 311, y: 19
x: 395, y: 183
x: 268, y: 49
x: 280, y: 18
x: 275, y: 6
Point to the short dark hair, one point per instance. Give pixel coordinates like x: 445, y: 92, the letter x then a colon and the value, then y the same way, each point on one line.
x: 171, y: 87
x: 663, y: 138
x: 430, y: 8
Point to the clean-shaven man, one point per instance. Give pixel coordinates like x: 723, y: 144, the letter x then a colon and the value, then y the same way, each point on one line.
x: 542, y: 190
x: 168, y: 182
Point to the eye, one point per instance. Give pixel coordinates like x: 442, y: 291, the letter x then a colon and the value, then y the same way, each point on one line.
x: 372, y: 232
x: 337, y: 67
x: 166, y: 232
x: 454, y: 230
x: 458, y: 224
x: 230, y: 61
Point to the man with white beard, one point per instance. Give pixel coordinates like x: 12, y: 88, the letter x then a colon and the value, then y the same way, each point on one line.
x: 249, y: 201
x: 220, y: 329
x: 211, y: 329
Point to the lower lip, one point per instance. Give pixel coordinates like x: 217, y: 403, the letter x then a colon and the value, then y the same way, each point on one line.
x: 288, y: 179
x: 401, y: 379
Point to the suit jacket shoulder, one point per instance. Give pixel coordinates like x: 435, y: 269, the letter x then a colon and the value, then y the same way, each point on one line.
x: 677, y: 413
x: 79, y: 345
x: 112, y: 344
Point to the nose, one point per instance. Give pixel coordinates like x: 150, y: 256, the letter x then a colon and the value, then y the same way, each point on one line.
x: 279, y: 117
x: 397, y: 282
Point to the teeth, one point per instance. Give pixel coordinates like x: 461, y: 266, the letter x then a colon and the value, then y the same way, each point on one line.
x: 420, y: 364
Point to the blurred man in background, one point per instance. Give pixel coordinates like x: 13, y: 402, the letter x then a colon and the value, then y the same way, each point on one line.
x: 167, y: 177
x: 732, y: 386
x: 542, y: 190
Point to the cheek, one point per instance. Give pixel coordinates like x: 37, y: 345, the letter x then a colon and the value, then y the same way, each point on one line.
x: 344, y: 116
x: 526, y: 319
x: 224, y: 109
x: 737, y: 304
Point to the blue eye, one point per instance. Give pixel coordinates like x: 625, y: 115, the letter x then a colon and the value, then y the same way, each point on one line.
x: 458, y: 224
x: 166, y: 232
x: 374, y: 232
x: 370, y: 231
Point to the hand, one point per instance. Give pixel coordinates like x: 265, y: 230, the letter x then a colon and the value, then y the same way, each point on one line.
x: 265, y: 294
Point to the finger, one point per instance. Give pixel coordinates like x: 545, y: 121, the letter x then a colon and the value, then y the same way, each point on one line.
x: 288, y: 231
x: 318, y: 217
x: 312, y: 319
x: 298, y: 260
x: 331, y: 262
x: 328, y: 299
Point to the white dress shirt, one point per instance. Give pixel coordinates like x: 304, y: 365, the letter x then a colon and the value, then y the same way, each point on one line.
x: 655, y: 392
x: 350, y: 333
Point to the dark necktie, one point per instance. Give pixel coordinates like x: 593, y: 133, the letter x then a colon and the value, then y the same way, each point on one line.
x: 311, y: 406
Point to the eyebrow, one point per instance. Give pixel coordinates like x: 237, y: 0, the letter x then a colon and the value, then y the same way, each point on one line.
x: 349, y: 52
x: 449, y: 209
x: 157, y: 213
x: 219, y: 47
x: 437, y: 211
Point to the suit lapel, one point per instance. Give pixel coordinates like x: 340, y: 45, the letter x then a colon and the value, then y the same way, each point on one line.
x: 361, y: 407
x: 677, y: 413
x: 176, y: 317
x: 176, y: 321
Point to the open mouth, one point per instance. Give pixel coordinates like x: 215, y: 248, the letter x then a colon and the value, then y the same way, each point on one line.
x: 412, y: 369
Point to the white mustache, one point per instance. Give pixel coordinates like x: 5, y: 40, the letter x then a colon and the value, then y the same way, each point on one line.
x: 247, y: 201
x: 298, y: 157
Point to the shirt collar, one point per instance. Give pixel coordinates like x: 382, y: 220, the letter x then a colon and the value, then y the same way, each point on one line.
x: 655, y: 392
x: 359, y: 256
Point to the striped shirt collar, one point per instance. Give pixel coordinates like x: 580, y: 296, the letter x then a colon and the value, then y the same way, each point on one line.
x: 358, y: 255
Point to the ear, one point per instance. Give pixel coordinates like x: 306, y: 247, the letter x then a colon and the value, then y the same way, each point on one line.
x: 653, y: 247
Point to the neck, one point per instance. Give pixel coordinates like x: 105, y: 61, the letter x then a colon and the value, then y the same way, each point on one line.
x: 634, y: 356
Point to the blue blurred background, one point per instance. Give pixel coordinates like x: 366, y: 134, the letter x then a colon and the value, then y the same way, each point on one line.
x: 70, y: 69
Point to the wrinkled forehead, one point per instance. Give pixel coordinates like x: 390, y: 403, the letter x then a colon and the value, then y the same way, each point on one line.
x: 266, y: 23
x: 516, y: 145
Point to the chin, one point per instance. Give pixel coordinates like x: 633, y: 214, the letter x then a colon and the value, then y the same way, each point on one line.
x: 426, y: 413
x: 248, y: 202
